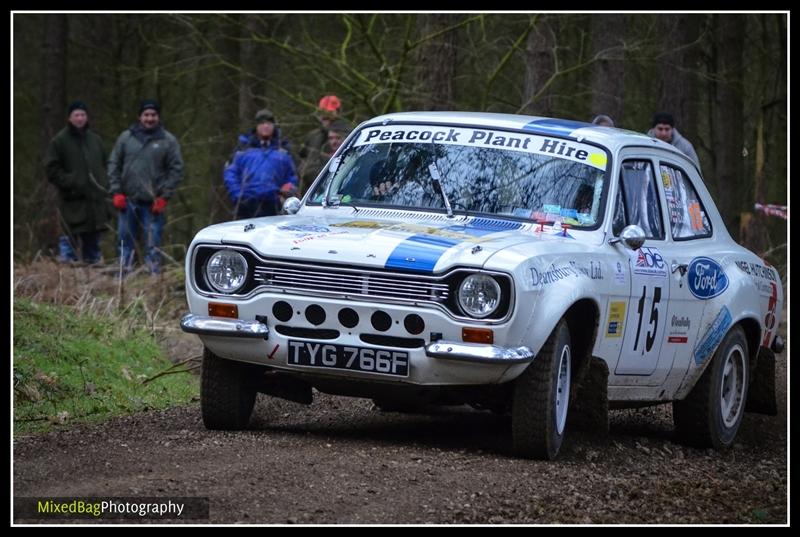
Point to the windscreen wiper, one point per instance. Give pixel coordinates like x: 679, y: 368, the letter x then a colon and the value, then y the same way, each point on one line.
x: 437, y: 182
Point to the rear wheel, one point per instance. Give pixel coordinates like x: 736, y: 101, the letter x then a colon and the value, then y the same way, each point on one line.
x: 711, y: 414
x: 541, y: 399
x: 227, y: 393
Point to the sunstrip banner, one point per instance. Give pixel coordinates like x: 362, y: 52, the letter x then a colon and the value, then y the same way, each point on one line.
x: 486, y: 138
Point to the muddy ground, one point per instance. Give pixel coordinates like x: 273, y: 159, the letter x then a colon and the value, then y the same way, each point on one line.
x: 341, y: 460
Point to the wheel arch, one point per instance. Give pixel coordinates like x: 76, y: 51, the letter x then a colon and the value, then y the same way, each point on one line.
x: 582, y: 314
x: 752, y: 333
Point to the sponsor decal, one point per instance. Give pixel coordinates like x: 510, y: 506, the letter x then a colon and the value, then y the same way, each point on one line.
x: 648, y: 261
x: 769, y: 318
x: 306, y: 232
x: 305, y: 229
x: 665, y: 178
x: 553, y: 209
x: 696, y: 216
x: 552, y: 275
x: 569, y: 213
x: 306, y: 238
x: 616, y: 319
x: 514, y: 141
x: 757, y: 271
x: 593, y: 271
x: 619, y: 274
x: 713, y: 336
x: 706, y: 278
x: 679, y: 329
x: 680, y: 323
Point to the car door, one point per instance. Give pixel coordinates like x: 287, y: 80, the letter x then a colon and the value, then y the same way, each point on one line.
x: 695, y: 275
x: 639, y: 202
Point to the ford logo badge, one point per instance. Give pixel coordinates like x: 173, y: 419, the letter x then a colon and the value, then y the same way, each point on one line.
x: 706, y: 278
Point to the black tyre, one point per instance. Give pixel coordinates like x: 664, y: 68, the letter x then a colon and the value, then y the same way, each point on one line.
x: 227, y: 393
x: 711, y: 414
x: 541, y: 399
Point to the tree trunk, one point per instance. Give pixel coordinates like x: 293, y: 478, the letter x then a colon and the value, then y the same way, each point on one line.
x: 727, y: 135
x: 677, y: 68
x: 539, y: 68
x: 608, y: 74
x: 436, y: 60
x: 252, y: 61
x: 223, y: 130
x: 54, y: 104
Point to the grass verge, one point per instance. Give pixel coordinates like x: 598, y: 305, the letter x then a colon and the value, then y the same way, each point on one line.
x: 73, y: 366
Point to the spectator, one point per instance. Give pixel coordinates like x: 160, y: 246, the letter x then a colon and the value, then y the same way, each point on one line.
x: 603, y: 120
x: 664, y: 129
x: 75, y: 163
x: 261, y: 173
x: 337, y: 132
x: 328, y: 110
x: 145, y: 168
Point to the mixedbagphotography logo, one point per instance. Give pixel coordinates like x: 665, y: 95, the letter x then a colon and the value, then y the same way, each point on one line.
x: 102, y: 508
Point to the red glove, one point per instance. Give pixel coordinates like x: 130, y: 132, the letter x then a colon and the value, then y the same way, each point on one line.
x: 119, y: 202
x: 159, y: 204
x: 288, y: 189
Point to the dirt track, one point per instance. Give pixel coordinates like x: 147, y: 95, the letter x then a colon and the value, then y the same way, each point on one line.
x: 342, y: 461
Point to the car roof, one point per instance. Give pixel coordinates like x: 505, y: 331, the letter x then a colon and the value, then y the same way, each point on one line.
x: 610, y: 137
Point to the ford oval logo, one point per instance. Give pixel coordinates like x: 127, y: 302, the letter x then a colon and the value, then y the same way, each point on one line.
x: 706, y: 278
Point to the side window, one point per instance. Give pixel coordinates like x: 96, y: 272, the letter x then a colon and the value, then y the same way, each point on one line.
x: 687, y: 216
x: 637, y: 201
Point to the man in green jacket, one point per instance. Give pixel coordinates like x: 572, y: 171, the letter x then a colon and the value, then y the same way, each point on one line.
x: 75, y: 162
x: 144, y: 170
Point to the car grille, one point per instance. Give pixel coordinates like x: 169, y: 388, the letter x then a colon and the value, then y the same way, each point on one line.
x: 326, y: 280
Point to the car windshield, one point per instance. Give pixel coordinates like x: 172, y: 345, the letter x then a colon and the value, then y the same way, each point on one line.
x: 481, y: 171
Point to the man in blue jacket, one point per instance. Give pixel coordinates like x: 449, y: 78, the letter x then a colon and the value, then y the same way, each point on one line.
x: 261, y: 173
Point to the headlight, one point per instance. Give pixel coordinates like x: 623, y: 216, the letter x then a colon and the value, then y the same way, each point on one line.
x: 226, y: 271
x: 479, y: 295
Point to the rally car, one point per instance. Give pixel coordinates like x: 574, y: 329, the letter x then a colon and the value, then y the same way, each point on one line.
x: 524, y: 265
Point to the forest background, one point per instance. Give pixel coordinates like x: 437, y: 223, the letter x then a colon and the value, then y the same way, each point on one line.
x: 723, y: 77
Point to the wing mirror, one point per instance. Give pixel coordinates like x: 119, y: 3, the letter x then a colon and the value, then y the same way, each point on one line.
x: 632, y: 237
x: 291, y: 205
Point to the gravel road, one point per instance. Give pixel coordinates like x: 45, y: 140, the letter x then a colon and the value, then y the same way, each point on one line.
x: 340, y: 460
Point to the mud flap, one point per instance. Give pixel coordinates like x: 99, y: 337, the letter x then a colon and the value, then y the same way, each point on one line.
x: 589, y: 404
x: 761, y: 397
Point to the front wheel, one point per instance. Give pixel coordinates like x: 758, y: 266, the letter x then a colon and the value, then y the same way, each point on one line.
x: 227, y: 393
x: 541, y: 398
x: 711, y: 414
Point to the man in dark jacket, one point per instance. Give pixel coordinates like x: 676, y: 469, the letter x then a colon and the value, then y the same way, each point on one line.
x: 144, y: 170
x: 261, y: 172
x: 75, y: 163
x: 664, y: 129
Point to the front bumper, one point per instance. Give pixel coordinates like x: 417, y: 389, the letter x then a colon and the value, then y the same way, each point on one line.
x: 222, y: 326
x: 441, y: 362
x: 476, y: 352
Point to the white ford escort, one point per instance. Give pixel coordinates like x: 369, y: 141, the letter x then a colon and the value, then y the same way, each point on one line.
x: 528, y: 265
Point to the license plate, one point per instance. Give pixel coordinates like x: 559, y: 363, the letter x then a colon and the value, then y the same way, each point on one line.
x: 325, y: 355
